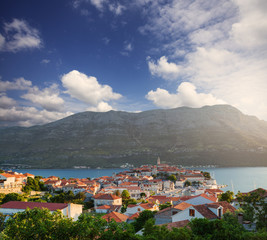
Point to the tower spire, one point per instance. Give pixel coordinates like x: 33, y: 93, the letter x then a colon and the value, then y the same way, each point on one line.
x: 158, y: 161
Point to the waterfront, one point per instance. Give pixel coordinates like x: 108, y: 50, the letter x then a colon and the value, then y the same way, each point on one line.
x: 236, y: 178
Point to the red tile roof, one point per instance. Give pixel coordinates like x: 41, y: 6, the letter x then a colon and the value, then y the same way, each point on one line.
x: 118, y: 217
x: 106, y: 196
x: 104, y: 207
x: 134, y: 216
x: 31, y: 205
x: 178, y: 224
x: 213, y: 190
x: 205, y: 211
x: 147, y: 205
x: 226, y: 206
x: 7, y: 175
x: 183, y: 206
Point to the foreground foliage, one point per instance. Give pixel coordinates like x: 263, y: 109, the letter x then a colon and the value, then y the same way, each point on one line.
x: 41, y: 224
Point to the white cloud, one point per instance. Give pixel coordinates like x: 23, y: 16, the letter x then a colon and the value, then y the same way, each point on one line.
x: 48, y: 98
x: 28, y: 116
x: 186, y: 95
x: 251, y: 30
x: 101, y: 107
x: 106, y: 40
x: 99, y: 4
x: 6, y: 102
x: 18, y: 84
x: 116, y: 8
x: 128, y: 47
x: 19, y: 35
x: 87, y: 89
x: 2, y: 42
x: 225, y: 49
x: 162, y: 68
x: 45, y: 61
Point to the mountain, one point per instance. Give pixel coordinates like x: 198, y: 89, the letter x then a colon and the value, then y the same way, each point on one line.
x: 211, y: 135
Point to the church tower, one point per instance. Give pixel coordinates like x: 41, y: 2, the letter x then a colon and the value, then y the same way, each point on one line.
x: 158, y: 161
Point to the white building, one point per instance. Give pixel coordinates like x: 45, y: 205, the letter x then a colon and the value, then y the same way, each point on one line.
x: 70, y: 210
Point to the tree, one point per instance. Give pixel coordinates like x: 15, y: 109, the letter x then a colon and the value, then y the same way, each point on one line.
x: 2, y: 221
x: 2, y: 195
x: 172, y: 178
x: 187, y: 183
x: 125, y: 195
x: 39, y: 224
x: 227, y: 228
x: 226, y: 196
x: 165, y: 205
x: 12, y: 197
x: 34, y: 184
x: 255, y: 207
x: 141, y: 220
x: 142, y: 195
x: 206, y: 175
x: 117, y: 193
x: 89, y: 227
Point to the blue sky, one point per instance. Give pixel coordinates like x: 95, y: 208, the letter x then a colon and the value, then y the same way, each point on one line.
x: 67, y: 56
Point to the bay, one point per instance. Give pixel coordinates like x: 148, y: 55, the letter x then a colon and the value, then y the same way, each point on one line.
x: 242, y: 179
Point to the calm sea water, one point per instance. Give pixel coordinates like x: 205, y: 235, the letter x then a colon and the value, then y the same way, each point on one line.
x: 243, y: 179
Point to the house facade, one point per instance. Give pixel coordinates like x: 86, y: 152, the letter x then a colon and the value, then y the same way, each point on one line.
x: 70, y: 210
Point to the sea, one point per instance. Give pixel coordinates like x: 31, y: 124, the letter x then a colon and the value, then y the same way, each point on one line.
x: 243, y: 179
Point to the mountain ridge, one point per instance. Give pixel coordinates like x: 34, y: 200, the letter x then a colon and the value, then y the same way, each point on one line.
x: 218, y: 135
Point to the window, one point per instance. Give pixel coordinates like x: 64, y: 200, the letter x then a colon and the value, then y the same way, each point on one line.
x: 191, y: 212
x: 219, y: 212
x: 174, y: 212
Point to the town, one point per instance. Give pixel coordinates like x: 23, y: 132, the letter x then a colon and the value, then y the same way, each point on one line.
x: 175, y: 195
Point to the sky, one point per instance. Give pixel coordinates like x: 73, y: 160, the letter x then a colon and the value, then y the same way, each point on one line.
x: 62, y: 57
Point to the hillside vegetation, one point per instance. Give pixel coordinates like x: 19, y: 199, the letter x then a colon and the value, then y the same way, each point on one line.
x: 219, y: 135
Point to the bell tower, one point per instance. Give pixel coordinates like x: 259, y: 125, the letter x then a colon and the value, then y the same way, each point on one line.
x: 158, y: 161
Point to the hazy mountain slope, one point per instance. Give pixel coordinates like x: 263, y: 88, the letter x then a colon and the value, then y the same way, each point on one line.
x: 219, y: 135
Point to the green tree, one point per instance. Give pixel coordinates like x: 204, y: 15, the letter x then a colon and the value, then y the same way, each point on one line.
x: 187, y: 183
x: 255, y: 207
x: 2, y: 195
x: 39, y: 224
x: 172, y: 178
x: 12, y: 197
x: 142, y: 195
x: 34, y: 184
x: 2, y: 221
x: 125, y: 195
x: 156, y: 232
x: 119, y: 231
x: 226, y: 196
x: 206, y: 175
x: 141, y: 220
x: 90, y: 227
x: 165, y: 205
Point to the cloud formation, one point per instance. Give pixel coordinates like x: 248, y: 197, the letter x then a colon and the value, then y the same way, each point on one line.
x: 19, y: 35
x: 28, y: 116
x: 186, y: 95
x: 225, y: 49
x: 88, y: 90
x: 6, y: 102
x: 48, y: 98
x: 162, y: 68
x: 41, y: 105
